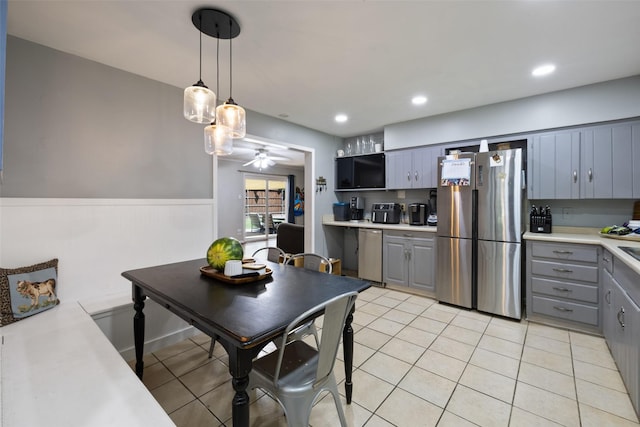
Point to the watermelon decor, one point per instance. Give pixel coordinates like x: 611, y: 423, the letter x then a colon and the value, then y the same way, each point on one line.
x: 222, y: 250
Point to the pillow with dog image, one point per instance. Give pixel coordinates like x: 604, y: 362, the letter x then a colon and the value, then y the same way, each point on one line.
x: 26, y: 291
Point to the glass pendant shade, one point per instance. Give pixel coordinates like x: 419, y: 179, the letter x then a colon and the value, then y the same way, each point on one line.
x: 199, y: 103
x: 218, y: 140
x: 232, y: 116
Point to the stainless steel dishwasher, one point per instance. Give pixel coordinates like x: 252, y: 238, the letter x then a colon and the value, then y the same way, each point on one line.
x: 370, y: 254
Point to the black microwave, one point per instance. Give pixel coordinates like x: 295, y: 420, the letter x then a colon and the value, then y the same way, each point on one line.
x: 366, y: 171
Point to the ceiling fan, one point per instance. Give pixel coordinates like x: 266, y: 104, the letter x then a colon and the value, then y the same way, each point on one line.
x: 263, y: 159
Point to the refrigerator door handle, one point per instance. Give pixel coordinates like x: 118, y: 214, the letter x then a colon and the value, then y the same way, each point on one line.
x: 480, y: 176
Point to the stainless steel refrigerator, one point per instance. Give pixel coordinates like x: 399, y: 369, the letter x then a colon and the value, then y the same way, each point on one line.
x: 480, y: 225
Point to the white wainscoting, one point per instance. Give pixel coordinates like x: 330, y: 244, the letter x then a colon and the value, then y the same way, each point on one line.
x: 96, y: 240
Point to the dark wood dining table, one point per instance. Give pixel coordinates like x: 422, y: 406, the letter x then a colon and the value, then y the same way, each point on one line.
x: 244, y: 317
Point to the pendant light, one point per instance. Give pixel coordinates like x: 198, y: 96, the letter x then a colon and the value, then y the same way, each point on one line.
x: 231, y: 114
x: 199, y: 101
x: 217, y: 138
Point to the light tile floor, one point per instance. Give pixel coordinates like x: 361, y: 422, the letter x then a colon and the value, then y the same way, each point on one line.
x: 420, y: 363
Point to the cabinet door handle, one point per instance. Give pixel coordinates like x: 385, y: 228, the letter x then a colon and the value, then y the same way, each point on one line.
x: 575, y: 176
x: 563, y: 309
x: 590, y: 174
x: 562, y: 270
x: 409, y: 176
x: 561, y: 289
x: 415, y: 175
x: 607, y: 296
x: 621, y: 317
x: 563, y: 252
x: 605, y: 259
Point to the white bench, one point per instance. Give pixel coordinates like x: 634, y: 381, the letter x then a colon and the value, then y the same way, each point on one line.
x: 59, y: 369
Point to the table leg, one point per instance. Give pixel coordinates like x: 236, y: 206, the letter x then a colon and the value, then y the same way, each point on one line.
x: 240, y: 364
x: 240, y: 404
x: 138, y: 327
x: 347, y: 344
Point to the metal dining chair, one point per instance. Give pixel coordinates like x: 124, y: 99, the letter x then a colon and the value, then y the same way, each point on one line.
x: 297, y: 373
x: 312, y: 261
x: 274, y: 254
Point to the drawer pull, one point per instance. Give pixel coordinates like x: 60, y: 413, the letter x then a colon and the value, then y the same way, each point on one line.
x: 607, y: 296
x: 561, y: 289
x: 621, y: 317
x: 562, y: 270
x: 563, y: 309
x: 563, y: 252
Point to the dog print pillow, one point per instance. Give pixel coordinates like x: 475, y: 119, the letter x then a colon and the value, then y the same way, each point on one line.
x: 27, y: 291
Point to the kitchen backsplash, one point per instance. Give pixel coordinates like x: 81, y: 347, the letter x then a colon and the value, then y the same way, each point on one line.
x: 588, y: 213
x: 569, y: 213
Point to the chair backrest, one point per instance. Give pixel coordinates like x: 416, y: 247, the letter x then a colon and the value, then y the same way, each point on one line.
x: 336, y: 311
x: 290, y: 237
x: 255, y: 221
x: 273, y: 254
x: 313, y: 261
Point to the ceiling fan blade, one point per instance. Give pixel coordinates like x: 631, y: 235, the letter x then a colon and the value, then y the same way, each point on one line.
x: 250, y: 162
x: 278, y: 158
x: 270, y: 162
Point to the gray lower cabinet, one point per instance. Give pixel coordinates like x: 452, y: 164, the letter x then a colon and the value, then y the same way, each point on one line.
x: 562, y: 285
x: 408, y: 259
x: 621, y: 324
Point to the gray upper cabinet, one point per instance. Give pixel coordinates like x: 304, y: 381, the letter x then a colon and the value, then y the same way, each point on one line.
x: 554, y: 165
x: 590, y: 163
x: 412, y: 168
x: 606, y: 160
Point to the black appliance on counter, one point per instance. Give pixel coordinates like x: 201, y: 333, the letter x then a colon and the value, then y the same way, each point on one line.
x: 386, y: 213
x: 418, y: 213
x: 357, y: 208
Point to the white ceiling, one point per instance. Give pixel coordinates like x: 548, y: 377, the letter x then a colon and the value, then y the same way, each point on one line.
x: 309, y: 60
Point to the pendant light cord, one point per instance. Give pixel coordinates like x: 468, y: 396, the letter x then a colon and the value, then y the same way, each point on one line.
x: 230, y: 61
x: 200, y: 29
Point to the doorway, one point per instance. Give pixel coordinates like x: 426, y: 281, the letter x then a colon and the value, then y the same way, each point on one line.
x: 266, y: 204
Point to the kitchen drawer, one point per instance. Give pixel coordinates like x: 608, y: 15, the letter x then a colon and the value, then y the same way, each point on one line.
x: 410, y: 234
x: 564, y: 271
x: 565, y: 310
x: 557, y: 288
x: 565, y: 252
x: 607, y: 261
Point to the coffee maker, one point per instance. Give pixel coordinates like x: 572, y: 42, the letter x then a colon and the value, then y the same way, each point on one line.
x: 357, y: 208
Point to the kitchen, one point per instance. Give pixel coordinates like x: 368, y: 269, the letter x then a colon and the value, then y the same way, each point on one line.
x: 615, y: 100
x: 555, y: 280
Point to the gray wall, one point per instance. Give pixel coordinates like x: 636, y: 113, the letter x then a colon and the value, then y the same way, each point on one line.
x: 75, y: 128
x: 612, y: 100
x: 231, y: 215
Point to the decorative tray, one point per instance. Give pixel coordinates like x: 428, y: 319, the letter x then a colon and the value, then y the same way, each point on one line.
x: 631, y: 237
x: 215, y: 274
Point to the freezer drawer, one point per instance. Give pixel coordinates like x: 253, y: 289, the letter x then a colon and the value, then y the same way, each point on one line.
x: 453, y: 274
x: 499, y: 279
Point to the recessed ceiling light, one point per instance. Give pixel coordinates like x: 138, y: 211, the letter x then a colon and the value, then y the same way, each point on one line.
x: 543, y: 70
x: 419, y: 100
x: 341, y: 118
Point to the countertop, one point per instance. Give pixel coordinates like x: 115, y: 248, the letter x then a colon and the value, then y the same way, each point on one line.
x: 579, y: 235
x: 328, y: 220
x: 590, y: 236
